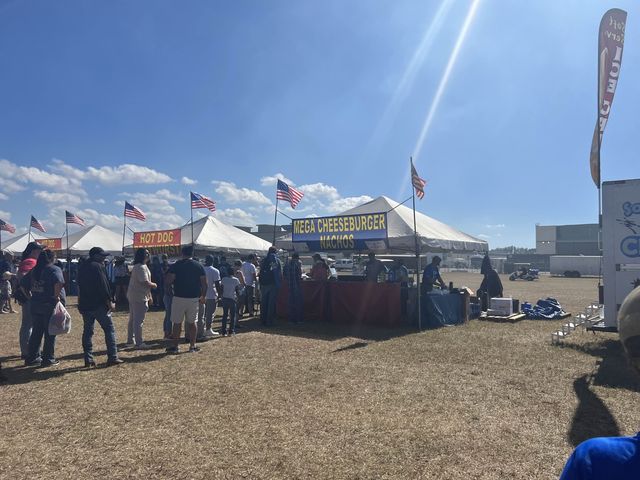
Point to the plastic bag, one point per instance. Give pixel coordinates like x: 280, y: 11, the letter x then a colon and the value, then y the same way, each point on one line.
x: 60, y: 321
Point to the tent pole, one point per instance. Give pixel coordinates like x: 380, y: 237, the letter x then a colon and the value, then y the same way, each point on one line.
x: 66, y: 228
x: 415, y: 234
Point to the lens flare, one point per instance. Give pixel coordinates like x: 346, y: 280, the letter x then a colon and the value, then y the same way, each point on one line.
x: 406, y: 82
x: 445, y: 78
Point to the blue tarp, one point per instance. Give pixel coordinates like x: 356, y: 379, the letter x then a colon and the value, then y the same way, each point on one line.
x: 441, y: 310
x: 548, y: 309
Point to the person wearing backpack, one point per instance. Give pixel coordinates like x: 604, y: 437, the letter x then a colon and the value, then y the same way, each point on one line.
x: 46, y: 284
x: 270, y: 280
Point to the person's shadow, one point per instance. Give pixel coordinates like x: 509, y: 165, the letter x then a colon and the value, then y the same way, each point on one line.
x: 592, y: 418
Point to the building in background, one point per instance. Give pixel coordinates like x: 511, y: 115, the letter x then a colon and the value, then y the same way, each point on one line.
x: 567, y: 239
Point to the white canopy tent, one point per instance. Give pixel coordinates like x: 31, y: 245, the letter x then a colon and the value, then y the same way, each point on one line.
x: 433, y: 235
x: 212, y: 235
x: 95, y: 236
x: 17, y: 244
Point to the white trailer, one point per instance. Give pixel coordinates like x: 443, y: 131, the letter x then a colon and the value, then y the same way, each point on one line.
x: 575, y: 265
x: 620, y: 244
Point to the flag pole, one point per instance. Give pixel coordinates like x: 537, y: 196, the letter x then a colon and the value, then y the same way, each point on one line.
x: 275, y: 220
x: 415, y: 235
x: 29, y: 237
x: 191, y: 221
x: 66, y: 227
x: 124, y: 228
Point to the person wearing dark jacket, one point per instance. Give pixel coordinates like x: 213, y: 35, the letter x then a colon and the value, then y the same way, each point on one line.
x: 491, y: 286
x: 95, y: 302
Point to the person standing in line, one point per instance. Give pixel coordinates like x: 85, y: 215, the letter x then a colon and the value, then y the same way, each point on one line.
x: 27, y: 262
x: 46, y: 284
x: 167, y: 297
x: 205, y: 320
x: 431, y: 275
x: 237, y: 272
x: 5, y: 293
x: 189, y: 290
x: 250, y: 272
x: 157, y: 278
x: 270, y: 280
x: 121, y: 279
x: 293, y: 275
x: 400, y: 274
x: 230, y: 289
x: 95, y: 303
x: 138, y: 294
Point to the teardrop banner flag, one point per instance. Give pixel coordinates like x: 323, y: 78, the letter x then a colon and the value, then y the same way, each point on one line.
x: 610, y: 45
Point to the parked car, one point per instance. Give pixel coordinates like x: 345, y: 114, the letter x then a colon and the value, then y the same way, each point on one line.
x: 343, y: 264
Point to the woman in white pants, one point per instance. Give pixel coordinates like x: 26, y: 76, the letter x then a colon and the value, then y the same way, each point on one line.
x: 139, y: 294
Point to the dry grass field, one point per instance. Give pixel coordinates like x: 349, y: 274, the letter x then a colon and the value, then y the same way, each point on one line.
x: 481, y: 401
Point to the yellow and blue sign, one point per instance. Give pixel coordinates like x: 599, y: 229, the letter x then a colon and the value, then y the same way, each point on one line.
x: 348, y: 232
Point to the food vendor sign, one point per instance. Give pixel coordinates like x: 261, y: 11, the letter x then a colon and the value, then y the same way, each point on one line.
x: 51, y: 243
x: 158, y: 241
x: 348, y: 232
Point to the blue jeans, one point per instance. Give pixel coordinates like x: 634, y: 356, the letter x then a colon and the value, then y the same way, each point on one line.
x: 41, y: 329
x: 229, y: 308
x: 26, y: 324
x: 166, y: 324
x: 295, y: 305
x: 103, y: 316
x: 269, y: 295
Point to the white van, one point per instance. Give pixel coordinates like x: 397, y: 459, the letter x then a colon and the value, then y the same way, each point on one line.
x: 343, y: 264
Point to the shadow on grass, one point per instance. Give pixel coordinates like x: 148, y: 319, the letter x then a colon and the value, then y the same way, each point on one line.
x: 352, y: 346
x: 592, y: 418
x: 613, y: 369
x: 325, y: 330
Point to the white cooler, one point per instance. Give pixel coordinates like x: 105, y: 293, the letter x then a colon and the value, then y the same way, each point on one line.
x: 501, y: 306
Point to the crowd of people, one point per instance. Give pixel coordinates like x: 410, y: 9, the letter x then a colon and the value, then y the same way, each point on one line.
x: 189, y: 292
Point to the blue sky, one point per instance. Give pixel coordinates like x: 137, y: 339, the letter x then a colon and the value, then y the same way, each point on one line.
x: 107, y: 101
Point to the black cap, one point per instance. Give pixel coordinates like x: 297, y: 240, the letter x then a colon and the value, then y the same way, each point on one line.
x: 97, y: 251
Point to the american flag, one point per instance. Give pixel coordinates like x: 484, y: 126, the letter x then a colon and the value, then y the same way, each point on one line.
x: 288, y: 193
x: 200, y: 201
x: 71, y: 218
x: 418, y: 183
x: 37, y: 225
x: 133, y: 212
x: 7, y: 227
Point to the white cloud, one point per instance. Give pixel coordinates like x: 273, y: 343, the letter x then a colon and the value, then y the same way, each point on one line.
x: 346, y: 203
x: 157, y: 207
x: 59, y: 198
x: 14, y: 175
x: 10, y: 186
x: 320, y: 191
x: 124, y: 174
x: 100, y: 201
x: 273, y: 179
x: 483, y: 236
x: 495, y: 226
x: 3, y: 196
x: 5, y: 215
x: 188, y: 181
x: 233, y: 194
x: 236, y: 216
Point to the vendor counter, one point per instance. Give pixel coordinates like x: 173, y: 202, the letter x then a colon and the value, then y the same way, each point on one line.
x: 378, y: 304
x: 354, y: 303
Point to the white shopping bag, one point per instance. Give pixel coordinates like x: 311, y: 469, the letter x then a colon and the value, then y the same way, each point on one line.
x: 60, y: 321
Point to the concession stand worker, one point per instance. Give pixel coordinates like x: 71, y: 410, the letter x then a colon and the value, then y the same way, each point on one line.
x: 374, y: 268
x: 431, y: 275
